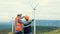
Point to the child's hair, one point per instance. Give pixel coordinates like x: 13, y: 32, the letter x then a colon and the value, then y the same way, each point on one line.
x: 26, y: 18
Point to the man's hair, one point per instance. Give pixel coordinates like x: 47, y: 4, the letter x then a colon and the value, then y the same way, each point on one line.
x: 19, y: 14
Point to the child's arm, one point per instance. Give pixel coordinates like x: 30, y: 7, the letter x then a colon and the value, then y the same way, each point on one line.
x: 29, y: 22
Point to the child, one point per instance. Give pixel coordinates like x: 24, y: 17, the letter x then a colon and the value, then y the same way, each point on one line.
x: 27, y: 27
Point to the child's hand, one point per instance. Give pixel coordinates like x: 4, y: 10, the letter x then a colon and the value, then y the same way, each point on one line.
x: 32, y: 19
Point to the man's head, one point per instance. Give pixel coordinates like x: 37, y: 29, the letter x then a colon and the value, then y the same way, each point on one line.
x: 19, y: 15
x: 26, y: 18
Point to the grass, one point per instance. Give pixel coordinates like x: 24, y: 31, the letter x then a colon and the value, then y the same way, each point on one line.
x: 5, y: 31
x: 57, y: 31
x: 39, y: 30
x: 47, y: 30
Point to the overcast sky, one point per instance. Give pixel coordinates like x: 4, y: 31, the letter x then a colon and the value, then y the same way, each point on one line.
x: 46, y: 9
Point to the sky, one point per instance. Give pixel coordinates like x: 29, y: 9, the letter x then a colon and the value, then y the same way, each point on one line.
x: 45, y: 10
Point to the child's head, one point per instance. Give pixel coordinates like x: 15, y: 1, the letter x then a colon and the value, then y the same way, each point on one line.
x: 26, y: 18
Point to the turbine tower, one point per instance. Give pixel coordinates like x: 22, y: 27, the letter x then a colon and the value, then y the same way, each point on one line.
x: 12, y: 24
x: 34, y: 9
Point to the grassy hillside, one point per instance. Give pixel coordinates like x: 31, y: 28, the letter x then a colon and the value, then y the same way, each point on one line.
x: 39, y: 30
x: 5, y: 31
x: 46, y: 29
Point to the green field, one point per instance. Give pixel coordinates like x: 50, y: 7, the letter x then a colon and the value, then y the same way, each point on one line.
x: 5, y: 31
x: 39, y: 30
x: 47, y: 30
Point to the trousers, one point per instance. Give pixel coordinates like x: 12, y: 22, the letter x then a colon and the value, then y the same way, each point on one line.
x: 27, y: 30
x: 19, y: 32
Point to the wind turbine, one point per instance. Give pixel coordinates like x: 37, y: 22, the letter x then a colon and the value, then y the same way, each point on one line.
x: 12, y: 24
x: 34, y: 9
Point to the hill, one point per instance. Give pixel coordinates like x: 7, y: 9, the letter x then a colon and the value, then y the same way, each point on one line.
x: 39, y: 30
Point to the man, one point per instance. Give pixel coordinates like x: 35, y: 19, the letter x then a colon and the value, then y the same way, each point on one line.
x: 18, y: 26
x: 27, y: 27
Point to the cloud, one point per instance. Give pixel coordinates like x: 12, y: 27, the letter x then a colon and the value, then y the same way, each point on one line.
x: 47, y: 9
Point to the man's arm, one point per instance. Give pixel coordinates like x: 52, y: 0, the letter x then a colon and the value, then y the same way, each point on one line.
x: 22, y: 21
x: 25, y: 22
x: 22, y: 17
